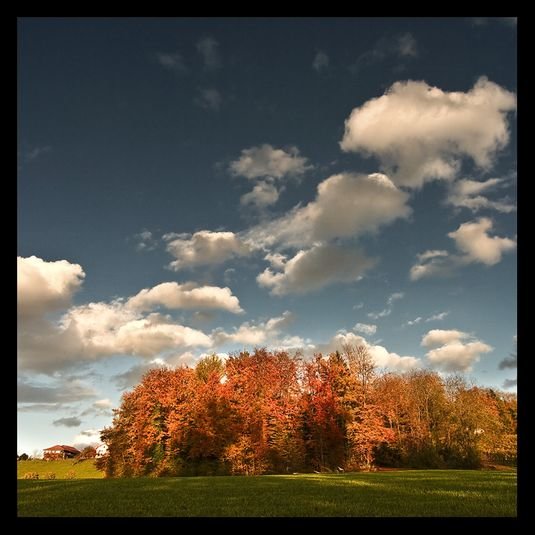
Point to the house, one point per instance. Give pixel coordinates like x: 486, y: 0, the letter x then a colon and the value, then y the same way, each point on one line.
x: 60, y: 452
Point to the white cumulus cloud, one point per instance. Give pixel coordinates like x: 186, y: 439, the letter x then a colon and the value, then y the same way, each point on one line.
x: 204, y: 248
x: 262, y: 195
x: 185, y: 296
x: 468, y: 194
x: 315, y: 268
x: 437, y: 337
x: 380, y: 355
x: 420, y: 133
x: 112, y: 328
x: 45, y: 286
x: 265, y: 160
x: 474, y: 244
x: 472, y: 239
x: 346, y: 205
x: 98, y: 330
x: 259, y: 333
x: 89, y: 437
x: 365, y: 328
x: 454, y: 351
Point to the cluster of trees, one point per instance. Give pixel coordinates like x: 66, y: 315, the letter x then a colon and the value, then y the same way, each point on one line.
x: 89, y: 452
x: 269, y: 412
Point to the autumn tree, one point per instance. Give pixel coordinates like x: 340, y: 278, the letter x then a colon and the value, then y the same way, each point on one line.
x: 270, y: 412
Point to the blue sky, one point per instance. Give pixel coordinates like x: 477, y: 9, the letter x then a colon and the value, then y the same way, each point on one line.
x: 188, y: 186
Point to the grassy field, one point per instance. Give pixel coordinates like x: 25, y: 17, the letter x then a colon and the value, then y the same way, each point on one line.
x: 82, y: 469
x: 398, y: 493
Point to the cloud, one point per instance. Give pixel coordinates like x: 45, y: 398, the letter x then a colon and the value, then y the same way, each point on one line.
x: 71, y: 421
x: 510, y: 383
x: 98, y: 330
x: 381, y: 314
x: 321, y: 61
x: 395, y: 297
x: 247, y: 334
x: 380, y: 355
x: 133, y: 375
x: 402, y: 46
x: 267, y: 161
x: 421, y: 133
x: 145, y: 241
x: 101, y: 407
x: 53, y: 394
x: 37, y: 152
x: 474, y: 243
x: 508, y: 362
x: 438, y: 337
x: 288, y: 343
x: 472, y: 239
x: 265, y: 165
x: 172, y: 62
x: 429, y: 255
x: 263, y: 194
x: 185, y: 296
x: 103, y: 404
x: 346, y: 205
x: 434, y: 264
x: 407, y: 45
x: 277, y: 260
x: 208, y: 48
x: 365, y: 328
x: 255, y: 334
x: 204, y: 248
x: 209, y: 99
x: 280, y: 322
x: 45, y: 286
x: 387, y: 311
x: 452, y: 353
x: 437, y: 317
x: 434, y: 317
x: 315, y: 268
x: 42, y: 407
x: 89, y: 437
x: 106, y: 329
x: 466, y: 194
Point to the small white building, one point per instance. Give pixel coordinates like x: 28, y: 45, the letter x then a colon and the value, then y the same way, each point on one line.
x: 101, y: 450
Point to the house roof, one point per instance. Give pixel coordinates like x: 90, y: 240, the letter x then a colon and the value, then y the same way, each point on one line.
x: 68, y: 449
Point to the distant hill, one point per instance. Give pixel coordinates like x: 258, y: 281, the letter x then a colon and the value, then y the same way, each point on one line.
x: 82, y: 469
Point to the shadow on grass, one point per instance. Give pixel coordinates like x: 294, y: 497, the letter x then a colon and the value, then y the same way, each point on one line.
x: 404, y: 493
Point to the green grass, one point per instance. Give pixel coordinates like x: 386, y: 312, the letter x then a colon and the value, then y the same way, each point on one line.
x: 83, y: 469
x: 400, y: 493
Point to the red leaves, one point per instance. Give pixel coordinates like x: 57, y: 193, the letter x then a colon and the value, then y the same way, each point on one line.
x: 269, y: 412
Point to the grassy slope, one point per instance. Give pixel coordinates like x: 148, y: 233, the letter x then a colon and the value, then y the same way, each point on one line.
x: 83, y: 469
x: 403, y: 493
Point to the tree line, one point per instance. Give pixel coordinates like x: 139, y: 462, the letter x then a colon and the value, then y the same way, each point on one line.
x: 271, y: 412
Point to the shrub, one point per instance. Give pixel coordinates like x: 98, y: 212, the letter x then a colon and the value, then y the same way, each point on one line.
x: 31, y: 475
x: 71, y: 474
x: 50, y: 475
